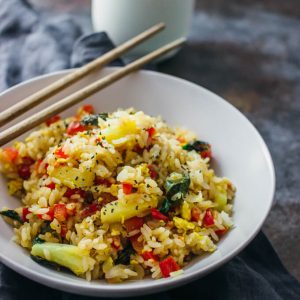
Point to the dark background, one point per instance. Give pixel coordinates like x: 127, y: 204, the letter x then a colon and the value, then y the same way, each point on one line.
x: 247, y: 51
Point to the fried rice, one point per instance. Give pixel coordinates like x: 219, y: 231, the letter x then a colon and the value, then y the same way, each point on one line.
x: 115, y: 196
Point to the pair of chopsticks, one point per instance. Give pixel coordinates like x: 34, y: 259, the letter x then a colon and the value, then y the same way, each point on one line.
x: 54, y: 88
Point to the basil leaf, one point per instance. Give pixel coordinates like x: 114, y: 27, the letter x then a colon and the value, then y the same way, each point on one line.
x: 124, y: 255
x: 166, y: 206
x: 177, y: 186
x: 37, y: 240
x: 12, y: 214
x: 93, y: 119
x: 198, y: 146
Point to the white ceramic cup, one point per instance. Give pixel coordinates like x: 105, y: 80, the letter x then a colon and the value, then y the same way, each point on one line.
x: 123, y: 19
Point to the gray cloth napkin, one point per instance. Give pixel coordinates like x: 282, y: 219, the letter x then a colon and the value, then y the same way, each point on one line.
x: 31, y: 46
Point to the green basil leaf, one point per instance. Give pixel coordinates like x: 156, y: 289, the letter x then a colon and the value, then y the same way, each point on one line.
x: 177, y: 186
x: 124, y: 255
x: 93, y: 119
x: 12, y: 214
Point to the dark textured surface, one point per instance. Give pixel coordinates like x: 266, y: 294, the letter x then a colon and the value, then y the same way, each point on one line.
x: 249, y: 54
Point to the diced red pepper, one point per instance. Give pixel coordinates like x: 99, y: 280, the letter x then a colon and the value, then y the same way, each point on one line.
x: 88, y: 108
x: 60, y: 153
x: 206, y: 153
x: 89, y: 210
x: 153, y: 173
x: 156, y: 214
x: 60, y: 212
x: 116, y: 243
x: 25, y: 212
x: 69, y: 192
x: 151, y: 131
x: 24, y: 171
x: 127, y: 188
x: 168, y: 266
x: 51, y: 186
x: 138, y: 149
x: 195, y: 213
x: 63, y: 231
x: 133, y: 224
x: 149, y: 255
x: 49, y: 216
x: 221, y: 231
x: 136, y: 244
x: 104, y: 181
x: 75, y: 127
x: 181, y: 140
x: 208, y: 219
x: 27, y: 161
x: 11, y: 154
x: 52, y: 120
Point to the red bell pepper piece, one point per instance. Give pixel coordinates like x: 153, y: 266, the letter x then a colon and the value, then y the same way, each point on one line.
x: 88, y: 108
x: 49, y: 216
x: 69, y: 192
x: 51, y: 186
x: 59, y: 153
x: 25, y: 212
x: 208, y: 219
x: 168, y: 266
x: 24, y: 171
x: 153, y: 173
x: 52, y: 120
x: 75, y: 127
x: 151, y: 131
x: 60, y: 212
x: 221, y: 231
x: 89, y: 210
x: 127, y: 188
x: 11, y: 154
x: 133, y: 224
x: 149, y: 255
x: 195, y: 213
x: 158, y: 215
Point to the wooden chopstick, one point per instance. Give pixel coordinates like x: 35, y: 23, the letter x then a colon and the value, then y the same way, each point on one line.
x: 69, y: 79
x: 82, y: 94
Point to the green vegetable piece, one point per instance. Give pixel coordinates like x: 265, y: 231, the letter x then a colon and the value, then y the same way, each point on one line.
x: 68, y: 256
x: 93, y: 119
x: 177, y: 186
x: 166, y: 206
x: 124, y: 255
x: 12, y: 214
x: 45, y: 263
x: 37, y: 240
x: 198, y: 146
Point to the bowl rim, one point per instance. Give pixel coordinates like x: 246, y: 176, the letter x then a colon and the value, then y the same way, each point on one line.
x: 162, y: 284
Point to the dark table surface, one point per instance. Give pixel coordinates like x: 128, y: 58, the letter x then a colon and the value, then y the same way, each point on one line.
x: 249, y: 53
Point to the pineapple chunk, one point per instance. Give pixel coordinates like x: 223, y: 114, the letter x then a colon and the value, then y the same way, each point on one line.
x: 186, y: 211
x: 126, y: 127
x: 119, y: 210
x: 73, y: 177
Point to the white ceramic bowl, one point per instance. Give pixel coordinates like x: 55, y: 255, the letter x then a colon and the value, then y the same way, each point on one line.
x: 239, y: 153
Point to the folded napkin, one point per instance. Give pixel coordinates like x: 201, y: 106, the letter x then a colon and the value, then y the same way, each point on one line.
x: 31, y: 46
